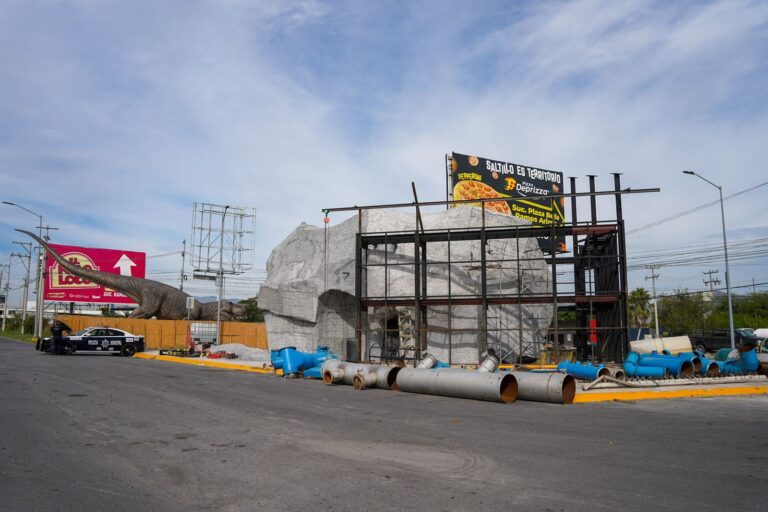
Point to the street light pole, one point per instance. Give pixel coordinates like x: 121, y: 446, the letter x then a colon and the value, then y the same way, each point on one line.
x: 40, y: 264
x: 725, y: 249
x: 221, y: 278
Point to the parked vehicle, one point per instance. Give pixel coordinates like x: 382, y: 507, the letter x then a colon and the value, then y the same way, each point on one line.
x: 714, y: 341
x: 97, y: 339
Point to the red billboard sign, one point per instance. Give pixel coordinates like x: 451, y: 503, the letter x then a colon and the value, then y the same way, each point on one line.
x: 62, y: 286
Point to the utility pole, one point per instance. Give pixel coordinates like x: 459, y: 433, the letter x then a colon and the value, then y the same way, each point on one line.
x: 183, y: 255
x: 7, y: 286
x: 653, y: 278
x: 711, y: 282
x: 221, y: 278
x: 41, y: 275
x: 5, y: 296
x: 28, y: 249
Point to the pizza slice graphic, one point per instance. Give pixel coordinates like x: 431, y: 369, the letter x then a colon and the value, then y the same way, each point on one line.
x: 478, y: 190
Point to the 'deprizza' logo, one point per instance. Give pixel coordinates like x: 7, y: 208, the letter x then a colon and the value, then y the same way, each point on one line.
x: 61, y: 279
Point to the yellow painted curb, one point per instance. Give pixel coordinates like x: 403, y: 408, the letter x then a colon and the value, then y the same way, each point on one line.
x: 196, y: 361
x: 672, y: 393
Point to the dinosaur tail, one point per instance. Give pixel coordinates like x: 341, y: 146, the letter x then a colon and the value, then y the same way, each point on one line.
x: 124, y: 284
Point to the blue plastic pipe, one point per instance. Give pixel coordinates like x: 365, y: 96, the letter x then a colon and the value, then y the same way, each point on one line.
x: 677, y: 366
x: 633, y: 369
x: 292, y: 361
x: 694, y: 358
x: 746, y: 363
x: 586, y: 371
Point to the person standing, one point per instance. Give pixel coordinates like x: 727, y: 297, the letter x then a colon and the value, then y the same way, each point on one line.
x: 57, y: 329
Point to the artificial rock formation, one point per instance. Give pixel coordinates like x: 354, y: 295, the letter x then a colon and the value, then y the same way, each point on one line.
x: 308, y: 296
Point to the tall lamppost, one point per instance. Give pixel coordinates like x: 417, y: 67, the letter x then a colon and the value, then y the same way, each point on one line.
x: 725, y: 249
x: 40, y: 265
x: 221, y: 278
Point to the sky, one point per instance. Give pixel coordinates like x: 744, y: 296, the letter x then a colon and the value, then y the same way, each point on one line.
x: 116, y: 117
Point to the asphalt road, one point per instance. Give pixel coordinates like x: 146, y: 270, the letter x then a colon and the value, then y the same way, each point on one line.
x: 96, y: 432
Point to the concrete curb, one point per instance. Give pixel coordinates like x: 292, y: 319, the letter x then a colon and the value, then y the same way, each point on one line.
x: 659, y: 394
x: 582, y: 397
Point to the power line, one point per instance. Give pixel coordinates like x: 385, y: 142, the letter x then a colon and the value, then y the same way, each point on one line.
x: 692, y: 210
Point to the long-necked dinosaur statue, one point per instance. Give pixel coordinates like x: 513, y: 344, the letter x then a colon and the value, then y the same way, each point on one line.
x: 155, y: 299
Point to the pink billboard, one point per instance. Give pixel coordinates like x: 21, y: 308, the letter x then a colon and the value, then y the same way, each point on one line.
x: 60, y: 285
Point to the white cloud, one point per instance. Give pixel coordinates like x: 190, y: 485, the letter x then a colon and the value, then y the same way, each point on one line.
x: 123, y: 115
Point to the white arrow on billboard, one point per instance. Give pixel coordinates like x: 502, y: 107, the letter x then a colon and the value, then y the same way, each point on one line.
x: 124, y: 264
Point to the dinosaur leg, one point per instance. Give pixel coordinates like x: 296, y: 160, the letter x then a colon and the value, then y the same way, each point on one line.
x: 139, y: 312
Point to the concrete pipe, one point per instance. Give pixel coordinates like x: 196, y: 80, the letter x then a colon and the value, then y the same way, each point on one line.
x: 454, y: 382
x: 364, y: 380
x: 336, y: 371
x: 556, y: 388
x: 429, y: 361
x: 618, y: 373
x: 489, y: 365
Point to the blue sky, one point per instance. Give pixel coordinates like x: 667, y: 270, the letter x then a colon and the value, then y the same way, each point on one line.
x: 116, y: 116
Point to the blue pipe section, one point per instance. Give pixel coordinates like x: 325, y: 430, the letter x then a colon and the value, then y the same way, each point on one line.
x: 746, y: 363
x: 694, y: 358
x: 292, y: 361
x: 633, y: 369
x: 586, y: 371
x: 677, y: 366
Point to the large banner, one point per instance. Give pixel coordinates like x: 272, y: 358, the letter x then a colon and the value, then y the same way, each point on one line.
x: 63, y: 286
x: 518, y: 187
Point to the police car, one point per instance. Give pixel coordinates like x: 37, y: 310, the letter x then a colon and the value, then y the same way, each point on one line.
x: 98, y: 339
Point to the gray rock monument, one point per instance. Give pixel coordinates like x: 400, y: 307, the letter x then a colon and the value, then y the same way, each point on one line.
x: 308, y: 297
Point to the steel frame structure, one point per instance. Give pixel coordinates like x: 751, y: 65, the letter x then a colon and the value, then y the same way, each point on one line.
x: 597, y: 266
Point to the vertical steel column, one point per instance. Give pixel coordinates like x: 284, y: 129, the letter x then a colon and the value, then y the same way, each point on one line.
x: 450, y: 305
x: 386, y: 306
x: 592, y: 198
x: 555, y: 340
x: 623, y: 287
x: 417, y: 291
x: 579, y: 286
x: 574, y: 217
x: 359, y: 285
x: 483, y: 289
x: 519, y: 299
x: 424, y: 294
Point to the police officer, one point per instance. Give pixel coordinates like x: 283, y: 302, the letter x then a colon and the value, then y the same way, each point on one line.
x: 57, y: 329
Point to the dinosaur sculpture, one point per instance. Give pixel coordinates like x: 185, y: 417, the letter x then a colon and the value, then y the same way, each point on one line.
x: 155, y: 299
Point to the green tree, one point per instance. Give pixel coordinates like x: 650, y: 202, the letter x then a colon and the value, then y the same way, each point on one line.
x: 748, y: 311
x: 683, y: 313
x: 639, y: 305
x: 252, y: 311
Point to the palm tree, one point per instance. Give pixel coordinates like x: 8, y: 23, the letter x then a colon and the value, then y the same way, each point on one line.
x: 639, y: 307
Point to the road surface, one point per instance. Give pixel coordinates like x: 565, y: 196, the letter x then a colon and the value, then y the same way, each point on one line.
x: 98, y: 433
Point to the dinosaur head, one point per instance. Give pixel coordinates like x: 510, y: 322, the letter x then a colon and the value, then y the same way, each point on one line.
x: 231, y: 311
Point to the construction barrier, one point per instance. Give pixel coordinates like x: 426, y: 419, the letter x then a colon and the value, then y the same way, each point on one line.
x: 172, y: 333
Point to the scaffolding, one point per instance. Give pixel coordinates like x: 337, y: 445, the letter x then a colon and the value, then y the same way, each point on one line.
x: 590, y: 282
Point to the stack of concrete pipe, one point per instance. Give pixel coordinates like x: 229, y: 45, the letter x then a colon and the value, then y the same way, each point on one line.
x: 485, y: 383
x: 359, y: 375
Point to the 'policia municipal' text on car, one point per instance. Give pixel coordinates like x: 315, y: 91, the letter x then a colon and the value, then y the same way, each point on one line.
x: 97, y: 339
